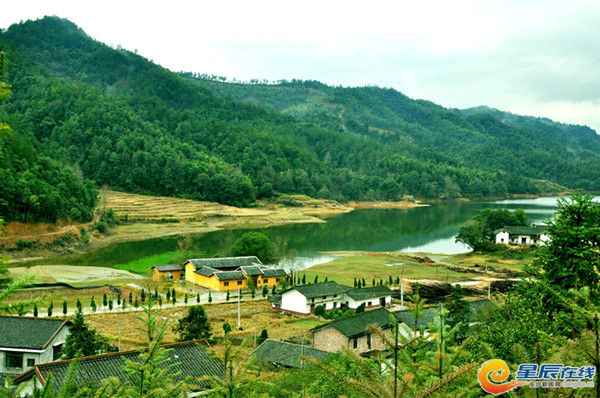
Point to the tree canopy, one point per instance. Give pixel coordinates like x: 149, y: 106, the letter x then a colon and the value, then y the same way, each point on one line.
x: 479, y: 233
x: 255, y: 244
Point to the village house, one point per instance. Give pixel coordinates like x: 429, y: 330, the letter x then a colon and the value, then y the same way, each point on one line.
x: 166, y: 272
x: 534, y: 235
x: 289, y: 355
x: 355, y: 332
x: 26, y: 342
x: 189, y: 359
x: 352, y: 332
x: 303, y: 300
x: 232, y: 273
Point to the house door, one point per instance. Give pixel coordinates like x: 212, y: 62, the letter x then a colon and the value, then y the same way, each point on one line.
x: 523, y: 240
x: 382, y: 301
x: 312, y: 308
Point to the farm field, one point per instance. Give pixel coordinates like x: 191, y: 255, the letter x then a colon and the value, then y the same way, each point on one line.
x: 75, y: 275
x: 382, y: 265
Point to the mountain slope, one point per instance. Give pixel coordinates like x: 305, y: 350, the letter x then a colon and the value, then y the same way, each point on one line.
x: 123, y: 121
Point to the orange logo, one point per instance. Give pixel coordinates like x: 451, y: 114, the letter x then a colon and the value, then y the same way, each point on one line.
x: 496, y: 371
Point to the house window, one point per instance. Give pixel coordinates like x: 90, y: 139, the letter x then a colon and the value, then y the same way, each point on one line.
x: 57, y: 352
x: 169, y: 275
x: 324, y: 297
x: 501, y: 240
x: 354, y: 343
x: 369, y: 304
x: 266, y: 281
x: 225, y: 283
x: 30, y: 362
x: 312, y: 300
x: 239, y: 283
x: 335, y: 295
x: 335, y: 304
x: 369, y: 341
x: 14, y: 360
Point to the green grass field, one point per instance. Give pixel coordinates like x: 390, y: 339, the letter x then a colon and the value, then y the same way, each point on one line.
x: 344, y: 270
x: 306, y: 324
x: 143, y: 265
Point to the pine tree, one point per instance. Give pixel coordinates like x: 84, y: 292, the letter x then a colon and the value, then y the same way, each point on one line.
x: 65, y: 307
x: 304, y: 279
x: 119, y: 299
x: 155, y: 294
x: 198, y: 298
x: 50, y: 308
x: 93, y: 304
x: 35, y: 310
x: 210, y: 297
x: 130, y: 298
x: 265, y: 290
x: 168, y: 294
x: 227, y: 297
x: 173, y: 296
x: 110, y: 305
x: 263, y: 336
x: 104, y: 300
x: 136, y: 303
x: 82, y: 341
x: 79, y: 306
x: 143, y: 296
x: 253, y: 293
x: 316, y: 279
x: 274, y: 290
x: 193, y: 326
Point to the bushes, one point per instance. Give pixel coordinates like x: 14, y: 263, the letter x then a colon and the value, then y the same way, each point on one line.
x: 23, y: 244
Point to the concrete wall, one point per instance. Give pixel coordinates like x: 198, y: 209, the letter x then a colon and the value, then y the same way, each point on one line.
x: 502, y: 238
x: 332, y: 340
x: 293, y: 301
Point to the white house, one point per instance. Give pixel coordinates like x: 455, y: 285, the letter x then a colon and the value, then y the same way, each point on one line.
x: 26, y: 342
x: 304, y: 299
x: 534, y: 235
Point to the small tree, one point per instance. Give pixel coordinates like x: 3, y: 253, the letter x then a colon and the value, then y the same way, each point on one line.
x: 168, y: 294
x: 265, y: 290
x: 316, y: 279
x: 210, y: 297
x: 65, y: 307
x: 104, y: 300
x: 198, y: 298
x: 228, y: 296
x: 93, y: 304
x: 160, y: 301
x: 253, y: 293
x: 185, y: 299
x: 130, y: 298
x: 193, y: 326
x: 319, y: 310
x: 143, y: 296
x: 110, y: 305
x: 155, y: 294
x: 35, y: 310
x: 274, y: 290
x: 136, y: 304
x: 355, y: 284
x: 263, y: 336
x: 173, y: 297
x: 119, y: 299
x: 304, y: 279
x: 50, y: 308
x: 226, y: 328
x: 79, y: 306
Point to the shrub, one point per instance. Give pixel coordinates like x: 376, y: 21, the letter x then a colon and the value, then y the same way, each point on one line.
x: 319, y: 310
x: 22, y: 243
x: 101, y: 227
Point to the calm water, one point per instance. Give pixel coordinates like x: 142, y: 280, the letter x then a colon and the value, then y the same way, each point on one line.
x: 429, y: 229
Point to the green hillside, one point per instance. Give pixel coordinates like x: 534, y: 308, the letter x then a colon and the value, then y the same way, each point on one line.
x: 118, y: 119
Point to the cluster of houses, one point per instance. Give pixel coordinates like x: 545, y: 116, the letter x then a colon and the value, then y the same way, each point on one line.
x: 30, y: 347
x: 30, y: 350
x: 222, y: 274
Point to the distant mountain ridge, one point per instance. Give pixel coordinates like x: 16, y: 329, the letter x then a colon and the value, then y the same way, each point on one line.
x: 120, y: 120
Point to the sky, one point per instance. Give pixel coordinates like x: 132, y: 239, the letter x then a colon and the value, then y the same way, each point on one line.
x: 539, y: 58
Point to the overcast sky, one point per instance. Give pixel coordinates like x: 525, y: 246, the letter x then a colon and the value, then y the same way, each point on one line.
x: 538, y: 58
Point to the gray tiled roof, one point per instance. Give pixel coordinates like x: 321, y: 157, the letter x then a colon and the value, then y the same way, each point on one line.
x: 168, y: 267
x: 188, y: 358
x: 320, y: 289
x: 287, y: 354
x: 225, y: 262
x: 252, y: 270
x: 27, y: 332
x: 369, y: 292
x: 229, y: 275
x: 357, y: 325
x: 408, y: 318
x: 533, y: 230
x: 271, y: 272
x: 206, y: 271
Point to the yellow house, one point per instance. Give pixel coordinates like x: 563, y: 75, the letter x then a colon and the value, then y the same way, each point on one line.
x: 231, y: 273
x: 170, y: 271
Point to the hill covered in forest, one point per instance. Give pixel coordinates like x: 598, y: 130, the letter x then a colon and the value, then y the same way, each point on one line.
x: 115, y: 118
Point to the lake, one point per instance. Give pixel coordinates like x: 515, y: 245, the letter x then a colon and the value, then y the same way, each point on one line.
x: 421, y: 229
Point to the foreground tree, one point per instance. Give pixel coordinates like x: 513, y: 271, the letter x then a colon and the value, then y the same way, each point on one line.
x: 83, y: 341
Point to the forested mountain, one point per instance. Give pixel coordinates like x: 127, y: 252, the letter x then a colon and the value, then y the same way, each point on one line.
x: 479, y: 137
x: 121, y: 120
